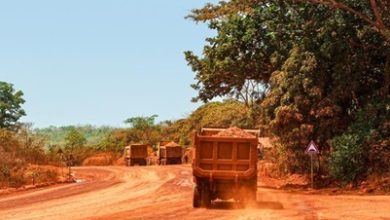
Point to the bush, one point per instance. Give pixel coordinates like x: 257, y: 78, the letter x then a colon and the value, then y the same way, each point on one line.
x: 17, y: 181
x: 379, y: 140
x: 51, y: 175
x: 349, y: 157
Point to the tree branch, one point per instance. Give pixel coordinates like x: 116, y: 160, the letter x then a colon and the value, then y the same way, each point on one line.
x: 338, y: 5
x: 377, y: 25
x: 379, y: 21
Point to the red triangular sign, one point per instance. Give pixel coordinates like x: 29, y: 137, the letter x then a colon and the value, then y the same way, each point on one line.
x: 312, y: 148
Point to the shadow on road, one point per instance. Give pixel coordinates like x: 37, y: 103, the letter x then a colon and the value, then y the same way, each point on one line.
x: 238, y: 205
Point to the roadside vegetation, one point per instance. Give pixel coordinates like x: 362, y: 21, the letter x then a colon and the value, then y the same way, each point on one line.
x: 22, y: 153
x: 321, y: 71
x: 56, y: 135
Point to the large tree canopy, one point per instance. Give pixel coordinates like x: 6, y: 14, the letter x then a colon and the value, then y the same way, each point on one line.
x: 243, y: 44
x: 10, y: 105
x: 320, y: 64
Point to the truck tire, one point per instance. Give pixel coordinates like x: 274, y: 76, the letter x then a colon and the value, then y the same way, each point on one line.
x: 206, y: 197
x: 252, y: 197
x: 253, y: 190
x: 196, y: 198
x: 249, y: 193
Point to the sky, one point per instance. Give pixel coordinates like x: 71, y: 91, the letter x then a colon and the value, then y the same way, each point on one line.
x: 100, y: 62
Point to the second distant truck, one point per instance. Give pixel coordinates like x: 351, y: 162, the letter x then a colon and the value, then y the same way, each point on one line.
x: 136, y: 154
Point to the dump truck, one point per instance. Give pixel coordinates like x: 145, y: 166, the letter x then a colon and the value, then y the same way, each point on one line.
x: 224, y: 167
x: 170, y: 153
x: 136, y: 154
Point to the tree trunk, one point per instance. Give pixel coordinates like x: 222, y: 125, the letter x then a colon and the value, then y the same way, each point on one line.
x: 386, y: 86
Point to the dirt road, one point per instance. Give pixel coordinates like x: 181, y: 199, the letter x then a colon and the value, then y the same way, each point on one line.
x: 165, y: 192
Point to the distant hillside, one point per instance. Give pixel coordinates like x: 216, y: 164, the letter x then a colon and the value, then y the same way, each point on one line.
x: 56, y: 135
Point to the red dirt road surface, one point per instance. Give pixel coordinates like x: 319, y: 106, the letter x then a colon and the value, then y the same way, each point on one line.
x: 165, y: 192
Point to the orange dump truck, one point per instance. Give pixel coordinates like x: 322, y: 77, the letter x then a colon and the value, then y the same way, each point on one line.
x: 224, y: 166
x: 136, y: 154
x: 170, y: 153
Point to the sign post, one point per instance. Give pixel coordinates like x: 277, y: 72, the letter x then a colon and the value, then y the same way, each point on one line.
x: 311, y: 150
x: 311, y: 171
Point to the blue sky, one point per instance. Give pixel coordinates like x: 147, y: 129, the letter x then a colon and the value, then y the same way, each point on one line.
x: 100, y: 62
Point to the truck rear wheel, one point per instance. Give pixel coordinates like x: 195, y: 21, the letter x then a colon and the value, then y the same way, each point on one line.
x: 196, y: 198
x: 249, y: 193
x: 252, y: 195
x: 206, y: 198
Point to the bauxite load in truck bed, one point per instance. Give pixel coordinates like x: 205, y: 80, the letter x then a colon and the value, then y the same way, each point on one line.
x: 170, y: 153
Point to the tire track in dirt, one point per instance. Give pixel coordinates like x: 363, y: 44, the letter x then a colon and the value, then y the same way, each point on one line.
x: 165, y: 192
x: 90, y: 183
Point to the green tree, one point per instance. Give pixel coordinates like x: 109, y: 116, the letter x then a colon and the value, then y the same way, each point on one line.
x: 143, y: 130
x: 10, y: 105
x: 74, y: 138
x: 373, y: 15
x: 376, y: 15
x: 75, y: 149
x: 141, y: 122
x: 318, y: 66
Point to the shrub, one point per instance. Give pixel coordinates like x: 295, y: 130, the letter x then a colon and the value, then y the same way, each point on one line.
x: 17, y: 181
x: 50, y: 175
x: 349, y: 157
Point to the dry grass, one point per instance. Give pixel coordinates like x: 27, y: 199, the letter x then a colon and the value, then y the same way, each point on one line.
x: 120, y: 161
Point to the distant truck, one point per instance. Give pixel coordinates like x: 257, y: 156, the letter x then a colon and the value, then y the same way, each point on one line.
x: 170, y: 153
x: 224, y: 167
x: 136, y: 154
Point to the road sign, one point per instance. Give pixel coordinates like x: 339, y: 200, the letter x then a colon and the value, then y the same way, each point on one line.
x: 312, y: 148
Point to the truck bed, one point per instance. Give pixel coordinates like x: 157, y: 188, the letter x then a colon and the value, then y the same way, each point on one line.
x: 225, y: 157
x: 138, y: 151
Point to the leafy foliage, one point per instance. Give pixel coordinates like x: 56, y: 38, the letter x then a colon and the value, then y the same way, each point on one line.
x: 143, y: 130
x: 10, y: 105
x: 356, y: 150
x: 142, y: 123
x: 55, y: 136
x: 17, y: 150
x: 319, y: 64
x: 214, y: 114
x: 74, y: 138
x: 75, y: 149
x: 349, y: 158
